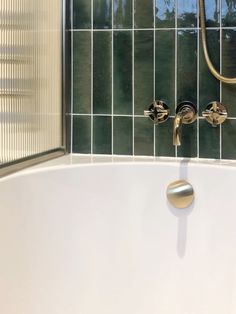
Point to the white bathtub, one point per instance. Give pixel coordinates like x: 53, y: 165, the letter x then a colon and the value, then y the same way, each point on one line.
x: 101, y: 238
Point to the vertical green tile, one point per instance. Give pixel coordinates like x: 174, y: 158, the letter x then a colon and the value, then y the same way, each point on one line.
x: 122, y: 72
x: 68, y: 68
x: 165, y: 67
x: 209, y: 86
x: 143, y: 137
x: 81, y: 72
x: 82, y: 134
x: 212, y: 9
x: 187, y: 13
x: 101, y: 135
x: 123, y: 13
x: 81, y: 14
x: 102, y: 12
x: 164, y: 139
x: 228, y: 98
x: 228, y: 13
x: 209, y: 140
x: 187, y: 66
x: 143, y: 70
x: 123, y: 136
x: 102, y: 77
x: 229, y: 69
x: 69, y: 132
x: 188, y: 146
x: 67, y: 12
x: 165, y: 13
x: 228, y: 139
x: 143, y: 13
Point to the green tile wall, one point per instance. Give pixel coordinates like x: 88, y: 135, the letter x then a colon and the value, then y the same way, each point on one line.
x: 102, y: 72
x: 82, y: 134
x: 81, y: 14
x: 126, y: 53
x: 123, y: 14
x: 143, y: 69
x: 82, y: 72
x: 102, y: 14
x: 165, y: 13
x: 122, y: 135
x: 165, y: 67
x: 122, y: 72
x: 187, y: 65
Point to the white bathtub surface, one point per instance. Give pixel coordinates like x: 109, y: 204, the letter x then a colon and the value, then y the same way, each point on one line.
x: 101, y: 238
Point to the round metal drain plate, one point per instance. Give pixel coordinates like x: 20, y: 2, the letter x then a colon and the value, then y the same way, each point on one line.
x: 180, y: 194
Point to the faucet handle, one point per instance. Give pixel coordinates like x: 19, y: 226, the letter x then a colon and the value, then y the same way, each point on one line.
x: 158, y: 111
x: 215, y: 113
x: 188, y: 111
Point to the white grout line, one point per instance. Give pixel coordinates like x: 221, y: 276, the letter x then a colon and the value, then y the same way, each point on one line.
x: 198, y: 81
x: 149, y: 29
x: 220, y: 1
x: 129, y: 116
x: 228, y: 118
x: 112, y: 79
x: 154, y: 72
x: 133, y: 77
x: 72, y: 77
x: 176, y: 57
x: 91, y: 77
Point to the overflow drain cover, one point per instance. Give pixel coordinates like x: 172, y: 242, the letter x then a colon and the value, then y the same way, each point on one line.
x: 180, y: 194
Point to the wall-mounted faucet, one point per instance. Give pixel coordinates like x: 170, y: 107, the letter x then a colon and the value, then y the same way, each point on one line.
x: 186, y: 113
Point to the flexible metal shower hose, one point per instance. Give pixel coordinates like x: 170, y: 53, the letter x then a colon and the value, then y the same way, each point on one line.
x: 204, y: 45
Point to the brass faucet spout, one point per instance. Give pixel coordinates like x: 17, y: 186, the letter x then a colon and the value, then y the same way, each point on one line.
x: 177, y: 130
x: 186, y: 113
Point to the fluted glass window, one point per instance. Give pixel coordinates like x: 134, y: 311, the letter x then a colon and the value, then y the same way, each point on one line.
x: 30, y: 78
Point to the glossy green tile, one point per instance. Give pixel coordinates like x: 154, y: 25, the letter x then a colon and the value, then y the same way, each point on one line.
x: 143, y: 137
x: 228, y: 99
x: 212, y: 9
x: 102, y: 14
x: 122, y: 68
x: 123, y: 13
x: 101, y: 135
x: 188, y: 146
x: 68, y: 10
x: 165, y: 67
x: 209, y: 86
x: 143, y: 70
x: 82, y: 134
x: 209, y: 140
x: 68, y: 67
x: 123, y: 135
x: 102, y: 72
x: 228, y: 13
x: 165, y: 13
x: 143, y: 13
x: 229, y: 69
x: 69, y: 132
x: 228, y: 139
x: 81, y: 14
x: 164, y: 139
x: 187, y: 13
x: 81, y: 72
x: 187, y: 66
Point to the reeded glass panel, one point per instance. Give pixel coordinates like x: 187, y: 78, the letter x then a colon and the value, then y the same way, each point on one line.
x: 30, y: 78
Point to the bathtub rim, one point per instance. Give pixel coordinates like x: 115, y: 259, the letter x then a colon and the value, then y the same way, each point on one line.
x: 74, y: 161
